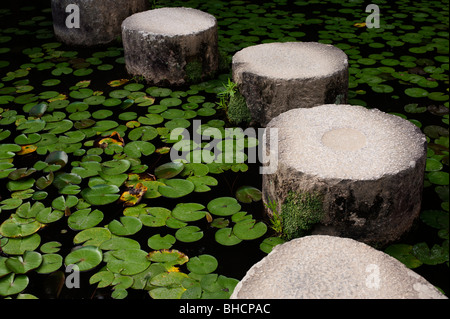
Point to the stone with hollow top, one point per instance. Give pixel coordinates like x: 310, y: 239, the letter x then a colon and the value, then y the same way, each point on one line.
x: 99, y: 20
x: 367, y: 165
x: 326, y: 267
x: 171, y: 46
x: 277, y: 77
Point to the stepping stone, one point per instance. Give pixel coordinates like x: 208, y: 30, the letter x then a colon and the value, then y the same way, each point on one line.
x: 346, y: 170
x: 277, y: 77
x: 99, y: 20
x: 326, y: 267
x: 171, y: 46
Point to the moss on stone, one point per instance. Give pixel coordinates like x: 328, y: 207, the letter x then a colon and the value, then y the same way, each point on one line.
x: 299, y: 213
x: 237, y: 111
x: 194, y: 71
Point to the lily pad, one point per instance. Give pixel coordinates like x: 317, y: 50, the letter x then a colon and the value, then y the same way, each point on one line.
x: 247, y: 194
x: 23, y: 264
x: 12, y: 284
x: 224, y: 206
x: 16, y: 226
x: 84, y: 219
x: 172, y: 257
x: 268, y: 244
x: 136, y: 149
x: 86, y: 258
x: 202, y: 183
x: 157, y: 242
x: 226, y: 237
x: 128, y: 225
x: 50, y: 263
x: 128, y: 261
x: 249, y: 229
x: 94, y: 236
x: 175, y: 188
x: 169, y: 170
x: 101, y: 194
x: 203, y: 264
x: 155, y: 217
x: 189, y: 234
x: 188, y: 212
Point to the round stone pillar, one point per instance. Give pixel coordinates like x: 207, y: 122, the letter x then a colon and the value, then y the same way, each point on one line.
x: 277, y: 77
x: 346, y: 171
x: 171, y: 46
x: 92, y: 22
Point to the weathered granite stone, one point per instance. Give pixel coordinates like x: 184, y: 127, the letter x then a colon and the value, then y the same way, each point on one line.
x: 326, y: 267
x: 171, y: 46
x: 366, y: 166
x: 100, y: 20
x: 277, y: 77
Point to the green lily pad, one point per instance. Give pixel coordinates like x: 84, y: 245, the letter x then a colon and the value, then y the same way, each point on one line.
x: 157, y: 242
x: 249, y: 229
x: 226, y: 237
x: 128, y: 225
x: 18, y: 246
x: 167, y: 293
x: 101, y: 194
x: 94, y: 236
x: 136, y: 149
x: 175, y: 188
x: 202, y: 183
x: 188, y: 212
x: 24, y: 139
x: 50, y: 247
x: 128, y: 261
x: 16, y: 226
x: 189, y: 234
x: 217, y: 287
x: 203, y: 264
x: 23, y: 264
x: 86, y: 258
x: 47, y: 216
x: 169, y: 170
x: 224, y: 206
x: 84, y: 219
x: 171, y: 257
x: 119, y: 243
x: 439, y: 178
x: 32, y: 126
x: 12, y: 284
x: 27, y: 211
x: 247, y: 194
x: 116, y: 167
x: 143, y: 133
x: 168, y: 279
x: 434, y: 256
x: 268, y: 244
x: 435, y: 218
x: 50, y: 263
x: 20, y: 173
x: 416, y: 92
x: 155, y: 217
x: 159, y: 92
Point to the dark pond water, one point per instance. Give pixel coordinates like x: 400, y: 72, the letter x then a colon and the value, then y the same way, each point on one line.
x: 409, y: 52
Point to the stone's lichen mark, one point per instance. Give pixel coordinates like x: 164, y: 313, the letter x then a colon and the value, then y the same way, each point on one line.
x: 300, y: 212
x: 194, y: 71
x: 238, y: 112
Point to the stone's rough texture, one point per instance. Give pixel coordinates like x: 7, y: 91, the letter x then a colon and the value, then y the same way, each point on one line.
x: 100, y: 20
x: 171, y: 46
x: 326, y: 267
x: 367, y: 165
x: 277, y: 77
